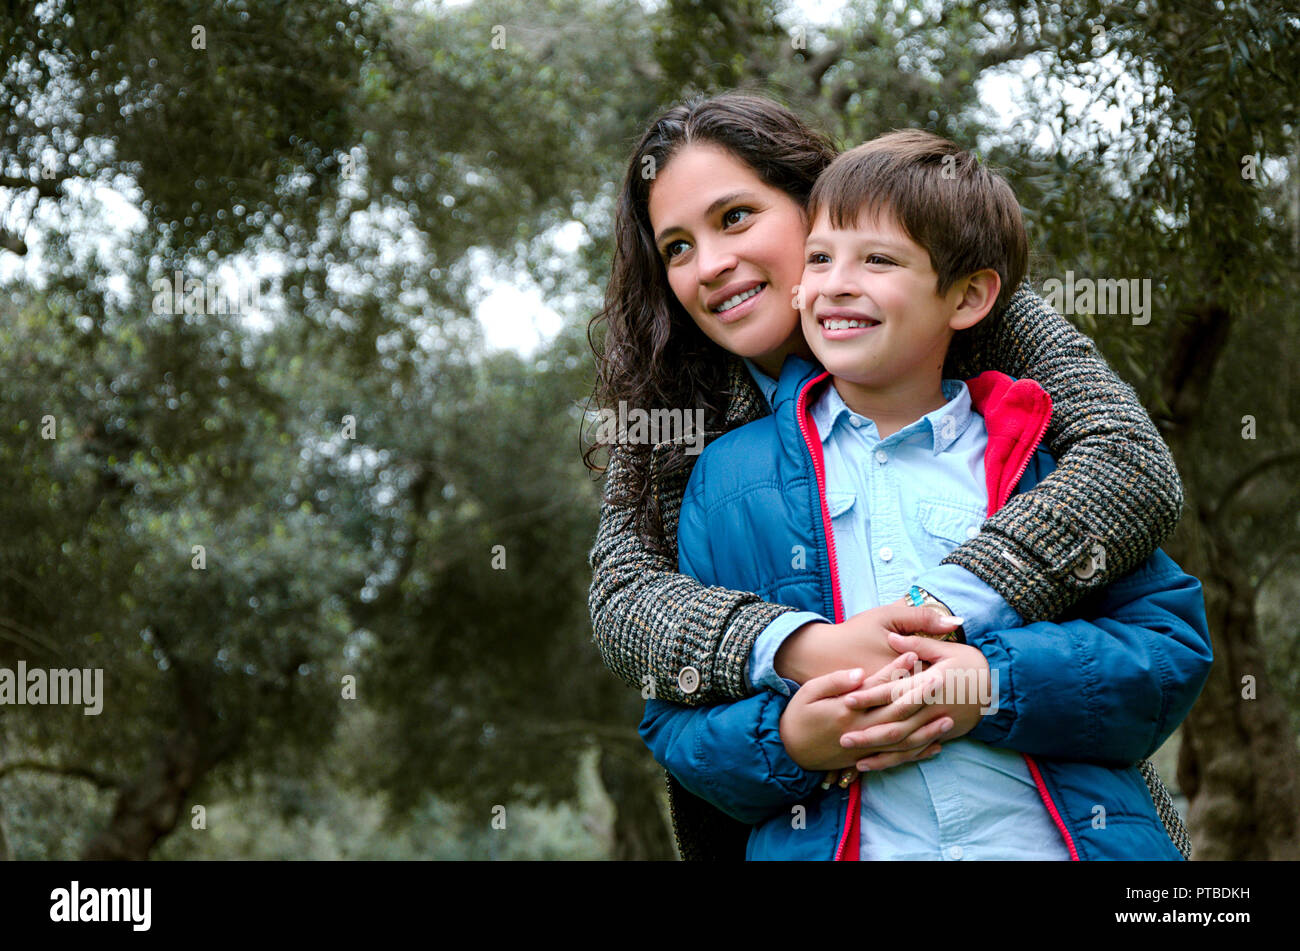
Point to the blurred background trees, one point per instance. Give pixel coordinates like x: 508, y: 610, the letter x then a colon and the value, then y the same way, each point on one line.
x: 386, y: 651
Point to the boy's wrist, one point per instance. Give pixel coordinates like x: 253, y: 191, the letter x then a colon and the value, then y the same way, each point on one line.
x: 761, y: 670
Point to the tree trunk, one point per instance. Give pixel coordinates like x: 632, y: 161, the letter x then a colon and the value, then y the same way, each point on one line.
x: 640, y: 830
x: 1238, y: 763
x: 148, y: 809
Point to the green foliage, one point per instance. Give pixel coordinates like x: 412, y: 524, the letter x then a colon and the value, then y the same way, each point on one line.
x: 225, y: 131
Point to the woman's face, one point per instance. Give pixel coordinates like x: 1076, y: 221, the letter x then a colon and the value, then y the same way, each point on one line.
x: 733, y: 249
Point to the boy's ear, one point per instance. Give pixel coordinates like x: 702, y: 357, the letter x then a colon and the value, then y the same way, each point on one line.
x: 979, y: 293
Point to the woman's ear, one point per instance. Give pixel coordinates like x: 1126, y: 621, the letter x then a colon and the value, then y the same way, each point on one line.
x: 978, y: 295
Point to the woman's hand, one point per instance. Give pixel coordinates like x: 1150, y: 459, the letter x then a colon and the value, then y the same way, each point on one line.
x: 817, y: 648
x: 955, y: 688
x: 818, y: 715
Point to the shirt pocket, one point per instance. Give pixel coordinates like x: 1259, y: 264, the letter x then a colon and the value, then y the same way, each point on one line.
x: 948, y: 523
x: 848, y: 527
x: 838, y: 503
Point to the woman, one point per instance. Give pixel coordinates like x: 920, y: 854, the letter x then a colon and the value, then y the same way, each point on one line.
x: 699, y: 315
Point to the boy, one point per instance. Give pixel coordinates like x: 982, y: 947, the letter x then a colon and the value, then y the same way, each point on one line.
x: 866, y: 475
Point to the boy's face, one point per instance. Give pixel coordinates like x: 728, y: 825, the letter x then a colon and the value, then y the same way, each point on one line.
x: 871, y: 310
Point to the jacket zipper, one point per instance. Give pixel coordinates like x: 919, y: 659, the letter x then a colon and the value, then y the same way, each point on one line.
x: 1051, y: 806
x: 819, y: 471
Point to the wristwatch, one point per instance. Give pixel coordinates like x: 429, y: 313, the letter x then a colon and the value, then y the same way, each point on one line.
x: 918, y: 597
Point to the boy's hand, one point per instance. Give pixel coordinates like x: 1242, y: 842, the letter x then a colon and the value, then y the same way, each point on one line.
x: 954, y: 687
x: 818, y: 715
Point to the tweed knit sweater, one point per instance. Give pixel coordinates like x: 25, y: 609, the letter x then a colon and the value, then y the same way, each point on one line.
x: 1115, y: 486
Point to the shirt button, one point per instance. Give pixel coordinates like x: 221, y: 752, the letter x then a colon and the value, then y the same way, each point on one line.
x: 881, y: 456
x: 972, y: 531
x: 886, y: 553
x: 856, y: 421
x: 689, y: 680
x: 954, y: 853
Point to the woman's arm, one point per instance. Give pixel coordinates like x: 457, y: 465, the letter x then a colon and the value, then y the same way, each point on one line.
x: 1108, y: 687
x: 650, y: 621
x: 1115, y: 486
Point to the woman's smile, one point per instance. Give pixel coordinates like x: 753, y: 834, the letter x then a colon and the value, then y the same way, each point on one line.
x: 736, y: 304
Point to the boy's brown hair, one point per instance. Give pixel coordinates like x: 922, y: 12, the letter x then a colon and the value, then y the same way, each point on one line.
x: 965, y: 215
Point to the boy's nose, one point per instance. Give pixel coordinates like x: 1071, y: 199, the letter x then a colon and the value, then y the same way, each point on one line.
x: 838, y: 283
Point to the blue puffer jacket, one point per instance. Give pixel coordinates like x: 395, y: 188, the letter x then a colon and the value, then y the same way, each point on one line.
x: 1083, y: 700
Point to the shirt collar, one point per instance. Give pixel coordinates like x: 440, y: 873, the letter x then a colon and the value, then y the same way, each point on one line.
x: 766, y: 385
x: 939, y: 428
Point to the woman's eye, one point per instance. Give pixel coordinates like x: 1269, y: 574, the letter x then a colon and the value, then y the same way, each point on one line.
x: 669, y: 253
x: 730, y: 218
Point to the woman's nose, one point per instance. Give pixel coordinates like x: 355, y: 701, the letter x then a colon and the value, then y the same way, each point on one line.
x: 714, y: 261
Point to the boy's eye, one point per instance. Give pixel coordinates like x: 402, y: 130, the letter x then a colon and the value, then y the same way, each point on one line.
x: 878, y: 259
x: 730, y: 218
x: 818, y: 257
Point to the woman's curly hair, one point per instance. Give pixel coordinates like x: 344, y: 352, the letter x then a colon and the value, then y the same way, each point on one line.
x: 652, y: 354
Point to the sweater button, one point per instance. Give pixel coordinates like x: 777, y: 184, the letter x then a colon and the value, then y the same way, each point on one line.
x: 954, y: 853
x: 1090, y: 563
x: 689, y: 680
x: 886, y: 554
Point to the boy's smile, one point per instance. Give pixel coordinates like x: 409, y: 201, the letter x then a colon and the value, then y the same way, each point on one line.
x: 843, y: 323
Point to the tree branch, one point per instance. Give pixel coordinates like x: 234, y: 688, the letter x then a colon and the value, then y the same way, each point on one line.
x: 1288, y: 551
x: 1241, y: 481
x: 840, y: 94
x: 45, y: 187
x: 12, y: 241
x: 1194, y: 359
x: 100, y: 780
x: 819, y: 64
x: 364, y: 611
x: 26, y: 637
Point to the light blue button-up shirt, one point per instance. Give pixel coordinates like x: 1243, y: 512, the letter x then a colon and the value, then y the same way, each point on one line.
x: 966, y: 594
x: 899, y: 505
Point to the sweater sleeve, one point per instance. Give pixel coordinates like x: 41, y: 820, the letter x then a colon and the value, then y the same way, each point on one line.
x: 648, y: 620
x: 1115, y: 495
